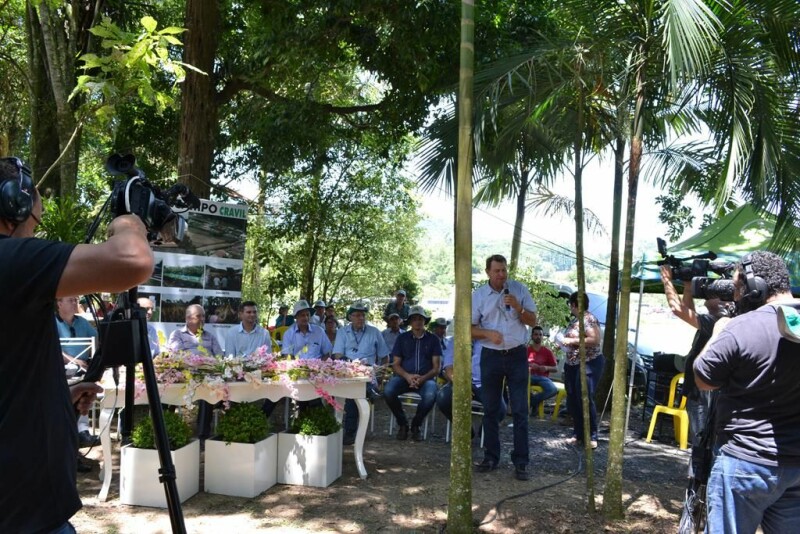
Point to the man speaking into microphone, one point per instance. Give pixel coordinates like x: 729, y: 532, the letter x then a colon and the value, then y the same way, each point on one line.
x: 501, y: 312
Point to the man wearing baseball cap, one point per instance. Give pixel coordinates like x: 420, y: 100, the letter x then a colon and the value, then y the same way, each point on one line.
x: 398, y: 306
x: 416, y: 359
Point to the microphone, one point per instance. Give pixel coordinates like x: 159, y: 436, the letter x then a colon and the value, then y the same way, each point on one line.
x: 505, y: 292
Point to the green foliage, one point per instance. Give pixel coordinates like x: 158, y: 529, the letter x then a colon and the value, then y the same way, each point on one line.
x: 677, y: 216
x: 552, y: 309
x: 316, y: 421
x: 64, y: 218
x: 130, y: 68
x: 178, y: 432
x: 243, y: 423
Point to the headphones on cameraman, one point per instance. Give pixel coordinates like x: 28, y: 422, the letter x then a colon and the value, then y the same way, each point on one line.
x: 756, y: 289
x: 16, y: 195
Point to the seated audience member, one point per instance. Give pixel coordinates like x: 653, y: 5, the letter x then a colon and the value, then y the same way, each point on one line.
x: 392, y: 329
x: 416, y: 359
x: 439, y: 329
x: 362, y: 342
x: 331, y: 327
x: 152, y: 336
x: 302, y: 341
x: 284, y: 319
x: 71, y: 325
x: 248, y: 336
x: 318, y: 314
x: 398, y: 306
x: 192, y: 337
x: 444, y: 397
x: 541, y: 363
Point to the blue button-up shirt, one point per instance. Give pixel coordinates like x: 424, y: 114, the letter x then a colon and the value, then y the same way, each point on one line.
x: 305, y: 346
x: 80, y: 327
x: 417, y: 353
x: 366, y: 345
x: 449, y: 359
x: 182, y: 339
x: 239, y: 342
x: 489, y: 312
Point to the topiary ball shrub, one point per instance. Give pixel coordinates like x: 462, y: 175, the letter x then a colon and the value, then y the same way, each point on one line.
x: 243, y: 423
x: 178, y: 432
x: 316, y: 421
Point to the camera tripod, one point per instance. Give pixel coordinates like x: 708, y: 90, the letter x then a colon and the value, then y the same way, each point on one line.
x: 124, y: 341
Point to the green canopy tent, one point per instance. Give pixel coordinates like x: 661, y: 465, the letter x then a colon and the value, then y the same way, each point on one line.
x: 741, y: 231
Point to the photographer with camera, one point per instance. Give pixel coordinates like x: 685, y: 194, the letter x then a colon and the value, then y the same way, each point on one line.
x: 755, y: 478
x: 38, y: 436
x: 697, y: 402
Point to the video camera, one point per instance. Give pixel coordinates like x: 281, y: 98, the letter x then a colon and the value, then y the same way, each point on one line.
x: 138, y: 196
x: 697, y: 271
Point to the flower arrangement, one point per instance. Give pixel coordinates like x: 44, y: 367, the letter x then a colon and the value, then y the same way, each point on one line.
x: 183, y: 367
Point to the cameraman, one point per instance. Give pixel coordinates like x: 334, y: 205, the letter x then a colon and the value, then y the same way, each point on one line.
x: 697, y: 402
x: 38, y: 436
x: 755, y: 478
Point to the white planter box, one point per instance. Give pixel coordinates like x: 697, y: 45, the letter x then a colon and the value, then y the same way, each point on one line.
x: 241, y: 469
x: 139, y: 483
x: 309, y: 460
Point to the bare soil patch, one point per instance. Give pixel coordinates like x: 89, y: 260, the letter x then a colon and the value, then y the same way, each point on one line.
x: 406, y: 491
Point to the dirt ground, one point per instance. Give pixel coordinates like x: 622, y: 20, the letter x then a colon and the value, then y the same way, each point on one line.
x: 406, y: 490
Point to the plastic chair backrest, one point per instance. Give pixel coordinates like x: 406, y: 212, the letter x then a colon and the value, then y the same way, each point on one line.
x: 277, y: 334
x: 673, y: 389
x: 87, y: 344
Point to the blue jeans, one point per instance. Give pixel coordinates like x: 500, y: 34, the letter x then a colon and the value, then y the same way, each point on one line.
x: 742, y: 495
x: 398, y: 385
x: 444, y: 401
x: 510, y: 367
x: 549, y: 390
x: 572, y: 384
x: 66, y: 528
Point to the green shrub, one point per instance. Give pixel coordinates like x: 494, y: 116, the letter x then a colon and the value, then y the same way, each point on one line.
x: 316, y: 421
x: 178, y: 432
x: 243, y: 423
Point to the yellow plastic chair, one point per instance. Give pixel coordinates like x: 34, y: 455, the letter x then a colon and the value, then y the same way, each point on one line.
x: 277, y: 336
x: 560, y: 396
x: 679, y: 415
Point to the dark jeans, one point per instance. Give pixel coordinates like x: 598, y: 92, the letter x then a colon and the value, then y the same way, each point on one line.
x: 398, y: 385
x: 572, y: 384
x: 66, y: 528
x: 510, y: 367
x: 444, y: 401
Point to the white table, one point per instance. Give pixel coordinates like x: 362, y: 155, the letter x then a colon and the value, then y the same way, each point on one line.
x: 303, y: 390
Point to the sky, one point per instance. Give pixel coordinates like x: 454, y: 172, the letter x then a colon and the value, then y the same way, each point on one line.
x: 490, y: 224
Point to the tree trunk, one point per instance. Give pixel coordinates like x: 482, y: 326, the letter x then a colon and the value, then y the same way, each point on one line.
x: 519, y: 219
x: 581, y: 274
x: 601, y: 394
x: 59, y: 36
x: 198, y: 120
x: 459, y: 499
x: 612, y: 496
x: 43, y: 137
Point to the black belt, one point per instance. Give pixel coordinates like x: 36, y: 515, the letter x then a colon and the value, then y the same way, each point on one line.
x: 504, y: 352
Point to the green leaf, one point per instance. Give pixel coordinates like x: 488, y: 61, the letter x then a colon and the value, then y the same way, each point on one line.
x: 173, y: 30
x: 149, y: 24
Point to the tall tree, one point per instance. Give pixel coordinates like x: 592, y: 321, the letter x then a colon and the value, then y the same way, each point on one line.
x: 459, y: 510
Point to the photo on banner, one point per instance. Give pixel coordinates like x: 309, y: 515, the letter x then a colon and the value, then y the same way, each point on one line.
x: 205, y: 268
